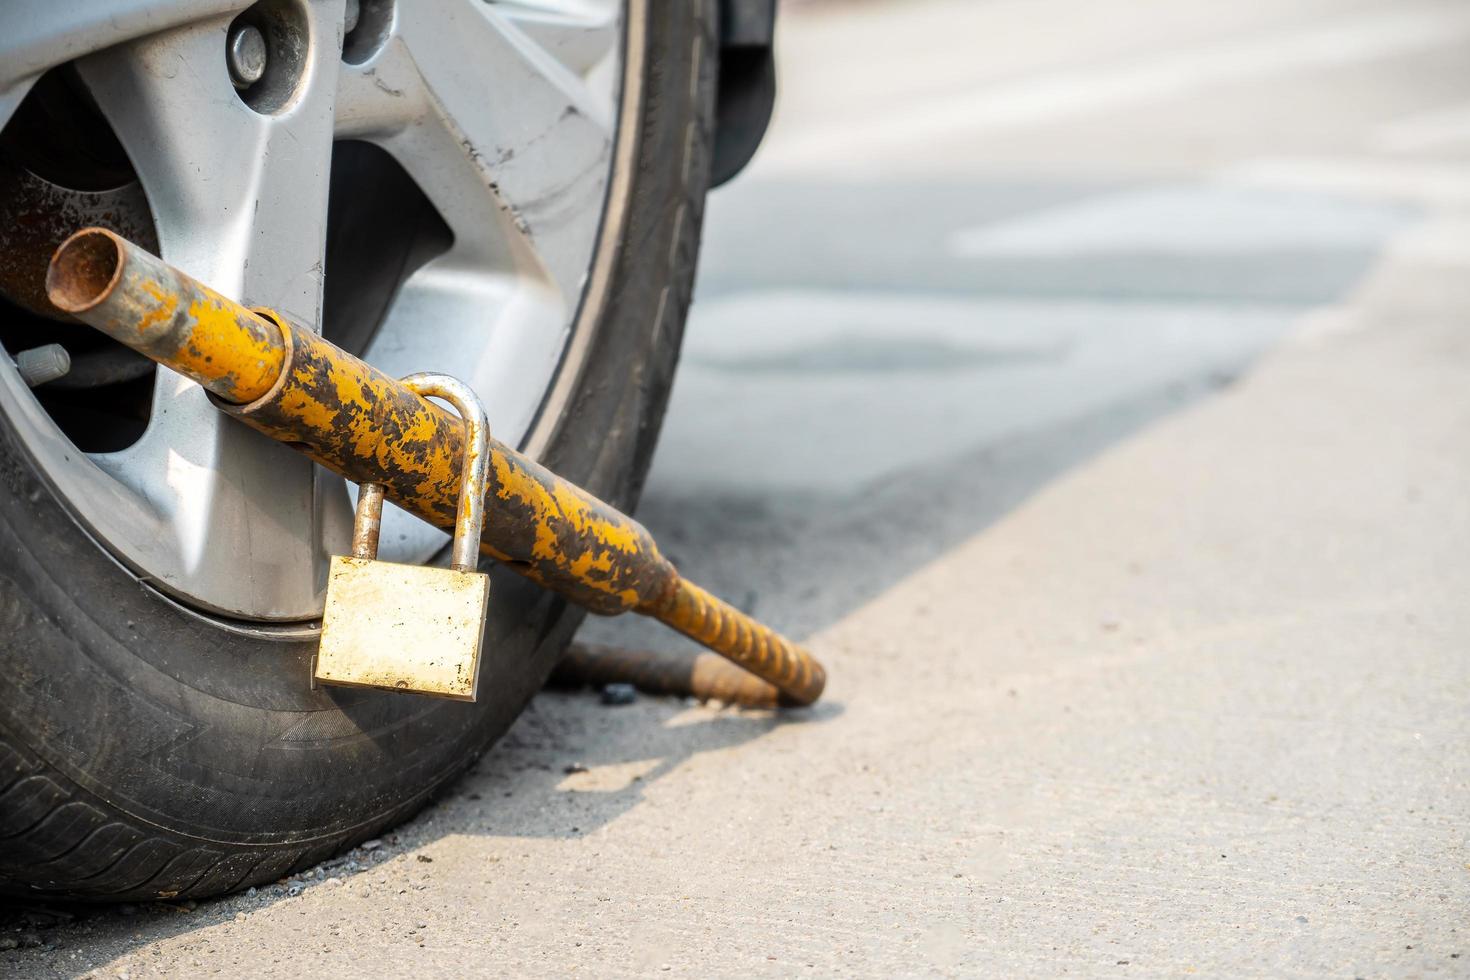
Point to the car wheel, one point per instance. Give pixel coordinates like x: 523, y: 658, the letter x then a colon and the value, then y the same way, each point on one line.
x: 508, y: 192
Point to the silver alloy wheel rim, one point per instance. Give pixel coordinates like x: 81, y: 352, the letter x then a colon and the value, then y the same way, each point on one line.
x: 504, y: 114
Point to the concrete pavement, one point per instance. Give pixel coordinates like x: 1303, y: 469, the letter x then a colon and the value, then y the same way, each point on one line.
x: 1115, y: 356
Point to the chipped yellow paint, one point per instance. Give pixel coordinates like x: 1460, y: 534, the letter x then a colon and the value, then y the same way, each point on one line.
x: 230, y: 344
x: 311, y: 412
x: 574, y: 507
x: 163, y: 313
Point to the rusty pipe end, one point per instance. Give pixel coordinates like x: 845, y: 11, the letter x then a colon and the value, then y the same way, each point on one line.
x: 84, y: 270
x: 144, y: 303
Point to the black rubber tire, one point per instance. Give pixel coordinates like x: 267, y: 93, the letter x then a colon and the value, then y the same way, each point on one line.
x: 145, y: 753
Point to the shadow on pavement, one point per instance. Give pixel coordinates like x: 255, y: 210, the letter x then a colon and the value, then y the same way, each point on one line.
x: 800, y: 558
x: 570, y: 766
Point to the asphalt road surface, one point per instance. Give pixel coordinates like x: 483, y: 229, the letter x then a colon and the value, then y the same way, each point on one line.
x: 1088, y: 381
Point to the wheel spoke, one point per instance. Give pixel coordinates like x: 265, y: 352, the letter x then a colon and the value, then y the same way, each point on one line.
x: 578, y: 33
x: 39, y: 34
x: 476, y: 104
x: 239, y: 200
x: 499, y: 114
x: 239, y: 197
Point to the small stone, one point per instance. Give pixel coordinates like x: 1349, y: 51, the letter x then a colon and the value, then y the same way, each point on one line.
x: 293, y: 891
x: 9, y: 942
x: 371, y: 845
x: 240, y: 916
x: 424, y: 859
x: 250, y: 892
x: 619, y: 694
x: 332, y: 882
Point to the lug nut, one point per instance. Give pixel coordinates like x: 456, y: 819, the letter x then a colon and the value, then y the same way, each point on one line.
x: 246, y: 54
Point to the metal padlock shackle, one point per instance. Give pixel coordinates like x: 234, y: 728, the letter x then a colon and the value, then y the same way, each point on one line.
x: 469, y: 518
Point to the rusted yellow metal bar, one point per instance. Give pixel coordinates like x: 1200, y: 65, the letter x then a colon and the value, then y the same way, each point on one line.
x: 368, y: 427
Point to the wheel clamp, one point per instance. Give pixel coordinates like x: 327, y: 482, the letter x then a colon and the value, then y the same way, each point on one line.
x: 384, y: 435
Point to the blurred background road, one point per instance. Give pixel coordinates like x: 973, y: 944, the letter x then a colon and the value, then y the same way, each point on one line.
x: 1089, y: 383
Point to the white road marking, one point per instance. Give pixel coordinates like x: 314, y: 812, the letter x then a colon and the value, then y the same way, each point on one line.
x: 1432, y: 184
x: 1090, y: 89
x: 1442, y: 240
x: 1436, y: 129
x: 1193, y: 220
x: 919, y: 375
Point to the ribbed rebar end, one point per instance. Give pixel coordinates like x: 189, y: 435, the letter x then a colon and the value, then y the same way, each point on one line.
x: 84, y: 270
x: 739, y: 638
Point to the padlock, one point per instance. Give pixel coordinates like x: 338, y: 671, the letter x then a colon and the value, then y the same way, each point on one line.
x: 412, y: 628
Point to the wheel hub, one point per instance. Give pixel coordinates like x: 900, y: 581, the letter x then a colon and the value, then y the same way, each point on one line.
x: 474, y: 138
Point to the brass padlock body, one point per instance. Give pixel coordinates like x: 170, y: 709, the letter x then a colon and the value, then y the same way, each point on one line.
x: 411, y: 628
x: 403, y: 628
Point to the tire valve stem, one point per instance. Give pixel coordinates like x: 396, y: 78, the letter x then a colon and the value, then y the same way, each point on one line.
x: 367, y: 427
x: 43, y: 364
